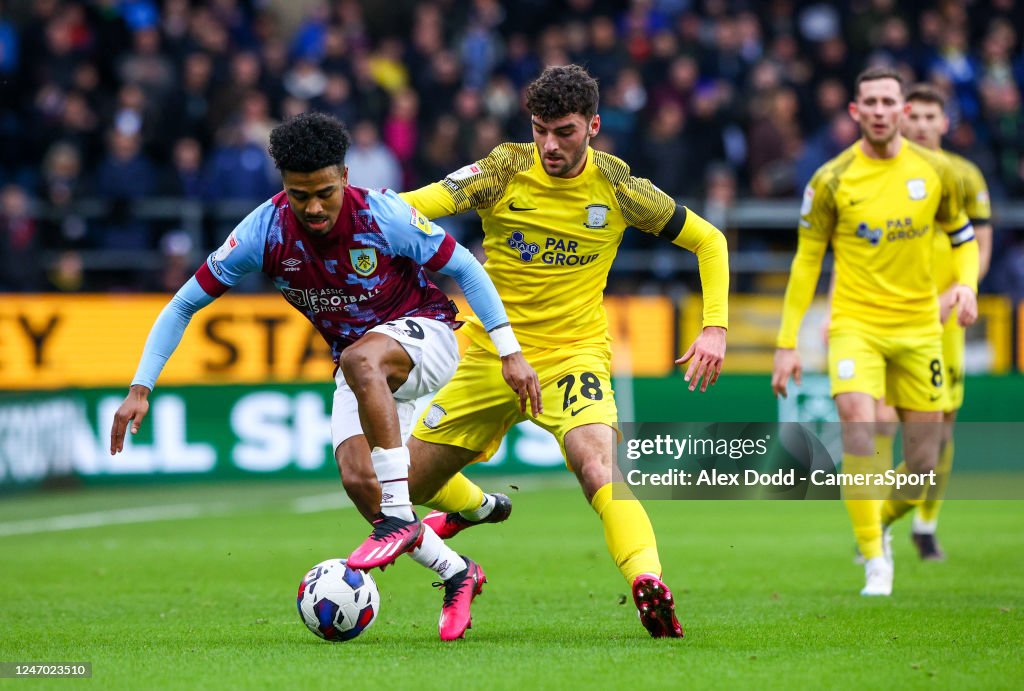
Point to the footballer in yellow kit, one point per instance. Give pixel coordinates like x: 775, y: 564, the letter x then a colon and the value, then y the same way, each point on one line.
x: 550, y: 243
x: 553, y: 214
x: 884, y: 218
x: 880, y: 204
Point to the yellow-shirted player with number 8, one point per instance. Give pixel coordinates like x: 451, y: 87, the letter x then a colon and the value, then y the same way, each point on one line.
x: 553, y: 214
x: 879, y: 204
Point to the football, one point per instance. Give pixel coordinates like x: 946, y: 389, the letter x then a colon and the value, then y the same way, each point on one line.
x: 337, y: 603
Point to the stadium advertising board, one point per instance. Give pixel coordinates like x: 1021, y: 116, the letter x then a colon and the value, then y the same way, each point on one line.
x: 234, y: 432
x: 55, y: 342
x: 221, y: 432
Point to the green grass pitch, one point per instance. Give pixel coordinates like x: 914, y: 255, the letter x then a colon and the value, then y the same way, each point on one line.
x: 767, y: 592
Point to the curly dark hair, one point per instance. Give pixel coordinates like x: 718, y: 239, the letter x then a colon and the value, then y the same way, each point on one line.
x: 561, y: 91
x: 309, y: 142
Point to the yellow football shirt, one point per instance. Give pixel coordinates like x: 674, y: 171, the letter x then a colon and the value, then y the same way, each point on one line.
x: 550, y: 241
x: 978, y: 208
x: 880, y: 216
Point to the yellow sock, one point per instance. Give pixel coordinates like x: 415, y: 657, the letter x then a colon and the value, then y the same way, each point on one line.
x: 928, y: 512
x: 865, y: 515
x: 458, y: 494
x: 894, y: 509
x: 628, y: 533
x: 899, y: 504
x: 864, y: 511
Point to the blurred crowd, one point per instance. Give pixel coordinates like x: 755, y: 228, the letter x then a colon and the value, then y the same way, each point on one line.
x: 128, y: 99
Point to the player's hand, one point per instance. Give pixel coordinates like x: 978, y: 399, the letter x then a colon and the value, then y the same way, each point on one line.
x: 787, y: 364
x: 947, y: 300
x: 966, y: 303
x: 523, y: 380
x: 826, y: 324
x: 133, y: 410
x: 707, y: 353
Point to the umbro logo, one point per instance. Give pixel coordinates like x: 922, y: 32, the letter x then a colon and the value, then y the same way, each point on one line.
x: 292, y: 264
x: 512, y: 207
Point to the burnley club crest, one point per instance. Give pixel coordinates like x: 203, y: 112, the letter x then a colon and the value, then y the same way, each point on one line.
x: 364, y: 260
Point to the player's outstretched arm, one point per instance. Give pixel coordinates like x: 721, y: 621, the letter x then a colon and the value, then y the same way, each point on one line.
x: 803, y: 279
x: 160, y: 344
x: 706, y: 355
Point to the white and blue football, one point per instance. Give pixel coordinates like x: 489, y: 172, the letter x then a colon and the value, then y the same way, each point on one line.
x: 337, y: 603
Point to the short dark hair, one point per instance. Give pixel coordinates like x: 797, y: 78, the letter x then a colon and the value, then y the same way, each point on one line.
x: 561, y: 91
x: 875, y: 73
x: 926, y: 93
x: 309, y: 142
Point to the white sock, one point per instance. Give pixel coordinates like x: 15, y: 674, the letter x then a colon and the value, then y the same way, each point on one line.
x: 392, y: 469
x: 924, y: 527
x: 482, y: 511
x: 437, y: 556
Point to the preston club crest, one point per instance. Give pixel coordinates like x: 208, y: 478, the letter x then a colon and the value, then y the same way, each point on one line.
x: 916, y: 189
x: 596, y: 215
x: 364, y: 260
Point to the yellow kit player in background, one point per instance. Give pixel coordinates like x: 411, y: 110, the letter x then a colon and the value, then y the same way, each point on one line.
x: 554, y: 212
x: 880, y: 203
x: 925, y: 123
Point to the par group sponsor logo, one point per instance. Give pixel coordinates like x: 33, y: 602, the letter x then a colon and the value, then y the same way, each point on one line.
x: 526, y: 249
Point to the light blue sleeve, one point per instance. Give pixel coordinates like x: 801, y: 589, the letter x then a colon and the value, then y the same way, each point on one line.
x: 477, y: 286
x: 408, y: 232
x: 242, y: 251
x: 168, y: 330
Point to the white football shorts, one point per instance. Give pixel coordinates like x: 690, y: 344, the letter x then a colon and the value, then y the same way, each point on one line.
x: 435, y: 354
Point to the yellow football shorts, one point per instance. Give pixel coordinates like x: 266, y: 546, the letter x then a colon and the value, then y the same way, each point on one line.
x: 954, y: 345
x: 476, y: 408
x: 906, y: 370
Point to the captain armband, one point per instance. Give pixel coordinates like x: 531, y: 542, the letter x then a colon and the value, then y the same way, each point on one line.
x: 674, y: 226
x: 963, y: 234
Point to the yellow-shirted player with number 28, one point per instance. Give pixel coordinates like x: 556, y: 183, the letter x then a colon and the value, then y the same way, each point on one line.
x: 553, y: 214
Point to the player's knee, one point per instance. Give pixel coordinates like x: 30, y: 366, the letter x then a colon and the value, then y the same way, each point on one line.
x: 360, y: 366
x: 593, y: 473
x: 924, y: 465
x: 923, y: 457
